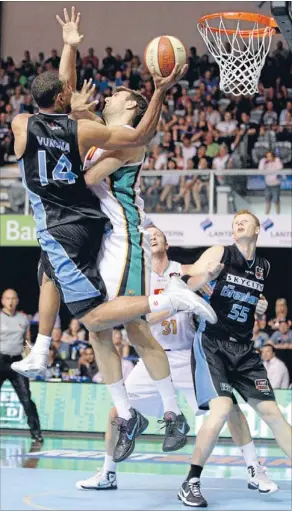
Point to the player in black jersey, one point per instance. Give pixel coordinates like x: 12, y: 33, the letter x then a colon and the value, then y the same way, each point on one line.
x: 51, y: 148
x: 224, y: 356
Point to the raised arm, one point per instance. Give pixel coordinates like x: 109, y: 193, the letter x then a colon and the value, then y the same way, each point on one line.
x: 116, y: 137
x: 109, y: 162
x: 207, y: 268
x: 71, y: 39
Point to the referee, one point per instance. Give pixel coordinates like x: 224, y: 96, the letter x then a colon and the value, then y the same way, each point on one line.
x: 14, y: 329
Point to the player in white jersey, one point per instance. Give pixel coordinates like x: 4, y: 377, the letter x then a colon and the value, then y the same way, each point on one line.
x: 176, y: 335
x: 124, y: 260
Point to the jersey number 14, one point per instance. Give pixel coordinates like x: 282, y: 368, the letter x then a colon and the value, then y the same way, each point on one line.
x: 61, y: 172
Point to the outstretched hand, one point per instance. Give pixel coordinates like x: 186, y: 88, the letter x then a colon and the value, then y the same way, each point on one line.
x: 164, y: 83
x: 71, y: 34
x: 79, y: 100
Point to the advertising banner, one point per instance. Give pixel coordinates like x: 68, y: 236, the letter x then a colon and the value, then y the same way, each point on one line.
x: 84, y: 408
x: 183, y: 230
x: 206, y: 230
x: 17, y: 231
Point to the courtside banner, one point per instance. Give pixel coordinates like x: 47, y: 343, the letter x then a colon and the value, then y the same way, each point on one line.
x: 17, y: 231
x: 84, y: 407
x: 206, y: 230
x: 181, y: 230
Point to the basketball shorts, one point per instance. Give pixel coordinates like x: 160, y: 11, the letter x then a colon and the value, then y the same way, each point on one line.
x: 68, y: 257
x: 124, y: 263
x: 143, y: 393
x: 219, y: 366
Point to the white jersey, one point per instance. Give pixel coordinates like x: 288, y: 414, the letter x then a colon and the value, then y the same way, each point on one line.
x: 120, y: 194
x: 176, y: 332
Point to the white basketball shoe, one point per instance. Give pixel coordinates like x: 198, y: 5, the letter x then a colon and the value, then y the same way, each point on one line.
x: 100, y: 481
x: 258, y: 479
x: 35, y: 364
x: 183, y: 299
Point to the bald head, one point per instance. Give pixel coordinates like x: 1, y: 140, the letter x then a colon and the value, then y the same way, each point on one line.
x: 9, y: 301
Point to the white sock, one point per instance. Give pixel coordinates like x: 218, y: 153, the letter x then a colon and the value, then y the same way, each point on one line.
x: 161, y: 302
x: 42, y: 344
x: 249, y: 454
x: 109, y: 465
x: 167, y: 393
x: 120, y: 399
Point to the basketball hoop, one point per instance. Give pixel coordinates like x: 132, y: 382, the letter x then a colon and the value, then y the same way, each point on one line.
x: 240, y: 52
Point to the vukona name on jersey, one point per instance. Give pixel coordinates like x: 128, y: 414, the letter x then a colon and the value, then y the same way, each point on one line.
x: 51, y: 142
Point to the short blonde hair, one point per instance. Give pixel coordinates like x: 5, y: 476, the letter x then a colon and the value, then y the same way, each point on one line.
x: 247, y: 212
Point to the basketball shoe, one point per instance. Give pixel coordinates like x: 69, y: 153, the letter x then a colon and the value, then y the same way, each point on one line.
x: 128, y: 432
x: 183, y: 299
x: 258, y: 479
x: 190, y: 494
x: 176, y: 430
x: 100, y: 481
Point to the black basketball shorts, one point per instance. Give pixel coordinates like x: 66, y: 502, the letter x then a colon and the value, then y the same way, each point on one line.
x: 68, y: 257
x: 219, y: 366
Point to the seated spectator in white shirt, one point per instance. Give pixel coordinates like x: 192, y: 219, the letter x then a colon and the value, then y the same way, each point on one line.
x: 278, y: 373
x: 212, y: 115
x: 259, y: 338
x: 62, y: 348
x: 188, y: 150
x: 227, y: 128
x: 283, y: 114
x: 282, y: 338
x: 270, y: 116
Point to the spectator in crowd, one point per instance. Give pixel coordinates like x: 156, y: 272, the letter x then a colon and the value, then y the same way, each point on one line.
x: 273, y: 181
x: 62, y: 348
x: 75, y: 332
x: 169, y: 184
x: 278, y: 373
x: 282, y: 338
x: 259, y: 337
x: 227, y: 129
x: 109, y: 63
x: 88, y: 367
x: 188, y: 150
x: 281, y: 312
x: 56, y: 367
x: 17, y: 100
x: 91, y: 59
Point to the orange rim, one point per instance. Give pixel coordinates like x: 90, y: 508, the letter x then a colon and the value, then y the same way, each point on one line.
x: 268, y: 21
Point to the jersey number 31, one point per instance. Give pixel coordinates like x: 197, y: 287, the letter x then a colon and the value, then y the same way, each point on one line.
x: 61, y: 172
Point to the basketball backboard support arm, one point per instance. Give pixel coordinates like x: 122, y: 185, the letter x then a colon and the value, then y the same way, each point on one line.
x: 282, y: 12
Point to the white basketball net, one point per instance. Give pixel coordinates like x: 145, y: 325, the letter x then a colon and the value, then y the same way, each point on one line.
x: 241, y: 61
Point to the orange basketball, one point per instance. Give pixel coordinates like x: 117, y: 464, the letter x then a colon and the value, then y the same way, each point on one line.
x: 163, y: 53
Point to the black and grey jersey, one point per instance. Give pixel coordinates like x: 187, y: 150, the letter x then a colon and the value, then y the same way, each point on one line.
x: 52, y: 172
x: 235, y: 295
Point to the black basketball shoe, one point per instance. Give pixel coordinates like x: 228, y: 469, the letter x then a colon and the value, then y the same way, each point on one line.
x: 129, y: 430
x: 190, y: 494
x: 176, y: 430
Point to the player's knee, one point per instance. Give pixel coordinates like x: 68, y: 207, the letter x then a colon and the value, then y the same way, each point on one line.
x: 92, y: 321
x: 220, y: 408
x: 269, y: 412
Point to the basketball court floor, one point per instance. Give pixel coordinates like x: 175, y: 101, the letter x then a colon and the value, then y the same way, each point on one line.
x: 44, y: 478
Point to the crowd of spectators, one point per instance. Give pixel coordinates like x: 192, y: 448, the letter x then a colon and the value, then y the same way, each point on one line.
x: 200, y: 127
